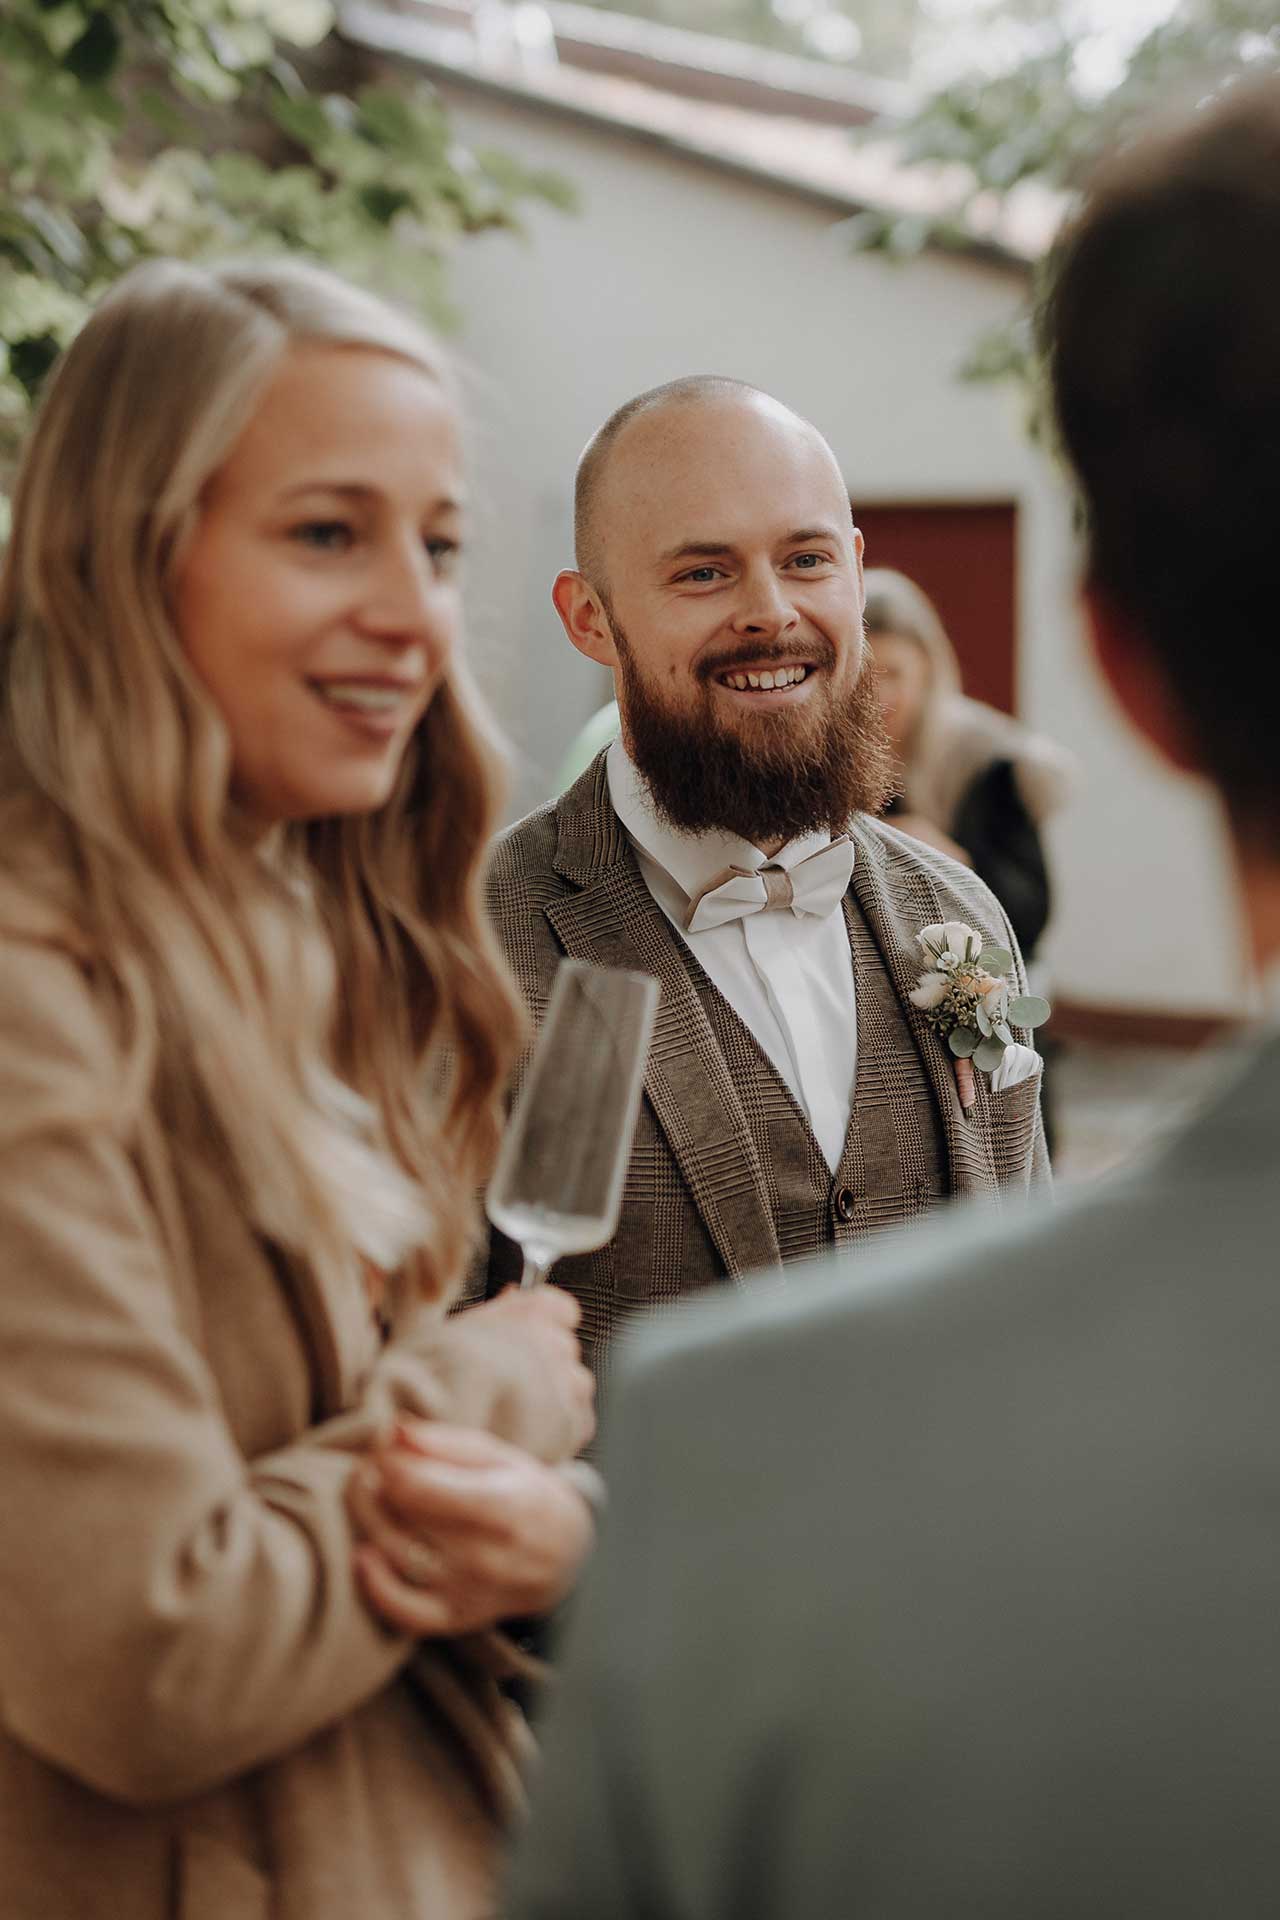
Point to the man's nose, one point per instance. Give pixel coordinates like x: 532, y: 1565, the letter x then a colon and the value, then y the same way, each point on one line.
x: 764, y: 606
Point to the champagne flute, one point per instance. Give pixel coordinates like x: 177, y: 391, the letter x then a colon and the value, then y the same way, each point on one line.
x: 557, y: 1187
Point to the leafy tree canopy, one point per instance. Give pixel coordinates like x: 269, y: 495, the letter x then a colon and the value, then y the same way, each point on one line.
x: 880, y: 35
x: 1048, y: 91
x: 138, y: 127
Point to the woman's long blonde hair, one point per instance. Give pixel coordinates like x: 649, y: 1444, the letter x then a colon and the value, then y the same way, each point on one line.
x: 954, y: 737
x: 300, y: 1000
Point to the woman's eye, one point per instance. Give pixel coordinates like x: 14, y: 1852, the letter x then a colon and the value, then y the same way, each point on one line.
x: 326, y: 536
x: 444, y: 555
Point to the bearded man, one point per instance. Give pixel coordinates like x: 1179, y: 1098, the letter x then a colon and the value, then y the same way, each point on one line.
x: 795, y: 1100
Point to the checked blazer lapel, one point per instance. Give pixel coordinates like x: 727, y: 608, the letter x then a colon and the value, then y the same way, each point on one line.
x: 614, y: 921
x: 897, y: 899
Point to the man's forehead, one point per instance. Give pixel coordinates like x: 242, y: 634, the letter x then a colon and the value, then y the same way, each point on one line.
x: 684, y: 434
x: 739, y: 462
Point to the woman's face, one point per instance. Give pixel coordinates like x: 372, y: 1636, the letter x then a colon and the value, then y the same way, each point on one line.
x: 902, y: 675
x: 318, y: 598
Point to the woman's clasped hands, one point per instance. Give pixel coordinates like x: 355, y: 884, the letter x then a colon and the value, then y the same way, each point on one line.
x: 458, y: 1529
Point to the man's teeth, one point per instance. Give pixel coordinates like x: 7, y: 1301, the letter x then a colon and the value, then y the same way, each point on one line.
x: 765, y: 682
x: 340, y: 693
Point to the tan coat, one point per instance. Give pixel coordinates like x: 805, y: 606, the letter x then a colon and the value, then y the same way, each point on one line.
x: 199, y: 1720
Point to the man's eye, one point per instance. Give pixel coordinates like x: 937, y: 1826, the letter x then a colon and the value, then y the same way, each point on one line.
x: 327, y: 536
x: 700, y: 575
x: 808, y: 561
x: 444, y: 555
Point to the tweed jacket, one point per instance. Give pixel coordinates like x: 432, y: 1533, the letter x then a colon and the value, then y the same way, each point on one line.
x: 199, y: 1719
x: 695, y: 1211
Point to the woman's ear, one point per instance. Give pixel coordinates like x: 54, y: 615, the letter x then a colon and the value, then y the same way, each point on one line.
x: 1140, y: 682
x: 583, y: 617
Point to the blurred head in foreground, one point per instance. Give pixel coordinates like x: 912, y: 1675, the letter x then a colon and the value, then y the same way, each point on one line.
x: 1163, y: 347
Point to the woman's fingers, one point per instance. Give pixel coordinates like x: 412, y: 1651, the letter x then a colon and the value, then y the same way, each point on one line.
x: 483, y: 1529
x: 452, y: 1496
x: 411, y: 1556
x: 437, y: 1440
x: 415, y: 1610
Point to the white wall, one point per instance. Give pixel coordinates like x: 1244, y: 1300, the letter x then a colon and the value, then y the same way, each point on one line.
x: 672, y: 267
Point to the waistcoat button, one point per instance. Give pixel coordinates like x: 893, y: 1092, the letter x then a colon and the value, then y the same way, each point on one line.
x: 844, y: 1203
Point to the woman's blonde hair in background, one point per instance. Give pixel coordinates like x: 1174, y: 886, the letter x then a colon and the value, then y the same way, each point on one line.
x: 297, y: 1000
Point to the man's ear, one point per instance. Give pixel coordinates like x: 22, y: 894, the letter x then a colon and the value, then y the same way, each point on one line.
x: 583, y: 617
x: 1139, y: 682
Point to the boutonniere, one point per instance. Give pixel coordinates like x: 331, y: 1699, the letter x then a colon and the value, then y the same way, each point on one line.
x: 969, y: 999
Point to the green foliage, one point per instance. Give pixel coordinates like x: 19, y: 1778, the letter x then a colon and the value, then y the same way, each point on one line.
x: 882, y: 43
x: 1043, y: 117
x: 130, y: 128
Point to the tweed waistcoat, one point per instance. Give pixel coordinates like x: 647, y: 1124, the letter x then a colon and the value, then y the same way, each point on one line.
x: 892, y: 1166
x: 698, y: 1207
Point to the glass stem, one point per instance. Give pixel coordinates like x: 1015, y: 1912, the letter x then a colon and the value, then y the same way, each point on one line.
x: 534, y: 1271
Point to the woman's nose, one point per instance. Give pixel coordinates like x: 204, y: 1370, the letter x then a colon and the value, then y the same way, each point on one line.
x: 408, y: 605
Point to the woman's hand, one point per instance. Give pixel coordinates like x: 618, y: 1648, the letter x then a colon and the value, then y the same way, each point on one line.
x: 537, y: 1326
x: 459, y: 1530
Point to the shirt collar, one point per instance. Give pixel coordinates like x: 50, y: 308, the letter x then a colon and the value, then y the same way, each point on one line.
x: 691, y: 860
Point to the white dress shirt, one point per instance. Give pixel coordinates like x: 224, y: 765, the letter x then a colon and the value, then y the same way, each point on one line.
x: 788, y: 976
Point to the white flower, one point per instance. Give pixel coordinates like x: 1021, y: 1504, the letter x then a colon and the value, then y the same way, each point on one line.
x: 931, y: 991
x: 949, y: 942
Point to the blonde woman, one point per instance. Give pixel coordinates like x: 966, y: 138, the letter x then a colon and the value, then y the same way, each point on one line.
x: 248, y: 1464
x: 975, y: 782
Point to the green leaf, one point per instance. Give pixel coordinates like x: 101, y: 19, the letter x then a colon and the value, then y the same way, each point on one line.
x: 1028, y: 1010
x: 384, y: 203
x: 95, y: 54
x: 162, y: 112
x: 983, y: 1019
x: 964, y: 1042
x: 30, y: 360
x: 389, y: 120
x: 305, y: 120
x: 989, y: 1055
x: 996, y: 959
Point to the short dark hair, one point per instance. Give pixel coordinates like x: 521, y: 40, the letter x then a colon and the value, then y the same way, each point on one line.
x: 595, y: 458
x: 1162, y: 338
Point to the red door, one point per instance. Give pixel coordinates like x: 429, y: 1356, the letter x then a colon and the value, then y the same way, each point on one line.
x: 965, y: 558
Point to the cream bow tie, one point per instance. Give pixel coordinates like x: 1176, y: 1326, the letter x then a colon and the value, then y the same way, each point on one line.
x: 814, y: 885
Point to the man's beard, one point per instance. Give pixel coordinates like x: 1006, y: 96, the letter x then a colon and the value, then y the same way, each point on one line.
x: 775, y: 775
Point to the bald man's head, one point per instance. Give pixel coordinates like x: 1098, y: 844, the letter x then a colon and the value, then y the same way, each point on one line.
x: 609, y: 448
x: 719, y: 576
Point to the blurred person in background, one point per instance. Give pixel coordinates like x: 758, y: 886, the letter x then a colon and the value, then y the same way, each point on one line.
x: 974, y: 782
x: 948, y: 1583
x: 263, y: 1505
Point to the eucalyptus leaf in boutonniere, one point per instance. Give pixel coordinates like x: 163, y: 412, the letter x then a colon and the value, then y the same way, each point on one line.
x: 970, y: 1000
